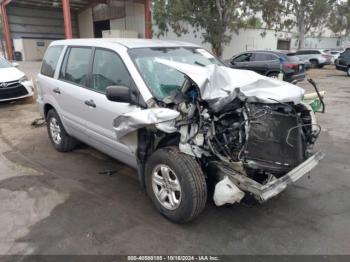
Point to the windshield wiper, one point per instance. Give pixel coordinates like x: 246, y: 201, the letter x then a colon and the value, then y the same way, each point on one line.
x: 200, y: 64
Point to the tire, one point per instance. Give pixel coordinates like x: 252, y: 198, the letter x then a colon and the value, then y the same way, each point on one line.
x: 273, y: 75
x: 181, y: 178
x: 348, y: 71
x: 59, y: 138
x: 314, y: 63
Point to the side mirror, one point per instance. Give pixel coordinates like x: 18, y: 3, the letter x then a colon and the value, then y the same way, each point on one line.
x: 119, y: 94
x: 232, y: 62
x: 15, y: 64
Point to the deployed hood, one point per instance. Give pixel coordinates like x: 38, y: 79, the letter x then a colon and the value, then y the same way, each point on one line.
x: 220, y: 84
x: 10, y: 74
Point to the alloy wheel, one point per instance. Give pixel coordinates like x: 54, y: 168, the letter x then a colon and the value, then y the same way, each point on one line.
x: 166, y: 187
x: 55, y: 131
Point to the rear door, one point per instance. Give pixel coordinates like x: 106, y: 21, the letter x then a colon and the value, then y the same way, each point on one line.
x: 107, y: 69
x: 46, y: 81
x: 73, y: 93
x: 265, y: 63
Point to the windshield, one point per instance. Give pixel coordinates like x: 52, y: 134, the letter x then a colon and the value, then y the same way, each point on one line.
x: 4, y: 63
x: 164, y: 80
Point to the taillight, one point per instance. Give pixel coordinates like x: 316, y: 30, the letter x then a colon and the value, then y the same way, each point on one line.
x: 291, y: 65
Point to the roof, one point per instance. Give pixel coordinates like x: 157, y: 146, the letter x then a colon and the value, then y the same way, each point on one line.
x: 277, y: 52
x: 75, y: 5
x: 127, y: 42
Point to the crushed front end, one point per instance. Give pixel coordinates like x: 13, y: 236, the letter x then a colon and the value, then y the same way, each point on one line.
x: 251, y: 134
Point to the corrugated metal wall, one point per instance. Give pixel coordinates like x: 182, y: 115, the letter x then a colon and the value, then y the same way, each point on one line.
x: 38, y: 23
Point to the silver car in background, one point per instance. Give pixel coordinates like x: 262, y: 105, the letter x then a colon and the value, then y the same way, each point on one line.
x: 317, y: 57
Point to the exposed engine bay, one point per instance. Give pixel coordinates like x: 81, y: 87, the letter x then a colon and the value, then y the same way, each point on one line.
x: 258, y: 134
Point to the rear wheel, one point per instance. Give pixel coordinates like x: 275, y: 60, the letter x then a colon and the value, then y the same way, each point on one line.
x: 314, y: 63
x: 176, y: 184
x: 273, y: 75
x: 60, y: 139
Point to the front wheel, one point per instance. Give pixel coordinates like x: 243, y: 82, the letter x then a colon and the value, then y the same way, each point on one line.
x: 314, y: 63
x: 176, y: 184
x: 348, y: 71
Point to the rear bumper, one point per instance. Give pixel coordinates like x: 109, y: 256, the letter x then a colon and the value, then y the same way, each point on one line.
x: 295, y: 78
x: 341, y: 67
x: 273, y: 188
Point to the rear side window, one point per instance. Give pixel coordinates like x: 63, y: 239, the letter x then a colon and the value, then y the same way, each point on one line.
x: 108, y: 69
x: 75, y: 66
x: 50, y: 60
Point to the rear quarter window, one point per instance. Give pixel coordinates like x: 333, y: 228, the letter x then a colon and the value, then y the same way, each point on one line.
x: 50, y: 60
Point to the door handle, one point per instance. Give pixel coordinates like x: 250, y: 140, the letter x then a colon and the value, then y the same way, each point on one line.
x: 90, y: 103
x: 57, y: 91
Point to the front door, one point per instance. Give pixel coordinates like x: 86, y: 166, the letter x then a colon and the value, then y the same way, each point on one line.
x: 107, y: 69
x: 242, y: 61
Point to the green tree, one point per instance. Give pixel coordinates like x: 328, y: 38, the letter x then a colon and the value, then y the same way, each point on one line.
x: 339, y: 20
x: 303, y: 15
x: 216, y: 19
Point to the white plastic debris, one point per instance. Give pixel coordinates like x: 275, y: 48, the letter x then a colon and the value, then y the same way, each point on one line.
x: 227, y: 193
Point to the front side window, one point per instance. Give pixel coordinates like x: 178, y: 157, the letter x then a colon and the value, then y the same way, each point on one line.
x: 75, y: 66
x: 243, y: 58
x: 50, y: 60
x: 161, y: 79
x: 108, y: 70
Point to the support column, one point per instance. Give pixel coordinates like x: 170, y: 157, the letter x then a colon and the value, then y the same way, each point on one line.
x: 6, y: 29
x: 67, y: 19
x: 148, y: 22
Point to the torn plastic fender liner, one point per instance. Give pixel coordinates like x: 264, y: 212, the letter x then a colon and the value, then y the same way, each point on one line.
x: 216, y: 83
x: 273, y: 188
x: 129, y: 122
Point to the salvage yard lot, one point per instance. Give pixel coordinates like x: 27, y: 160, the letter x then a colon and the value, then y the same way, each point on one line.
x: 54, y: 203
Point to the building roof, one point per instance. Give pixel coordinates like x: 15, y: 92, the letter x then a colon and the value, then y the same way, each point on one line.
x: 75, y: 5
x: 127, y: 42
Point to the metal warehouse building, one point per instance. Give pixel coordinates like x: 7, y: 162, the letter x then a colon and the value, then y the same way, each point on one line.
x: 30, y: 25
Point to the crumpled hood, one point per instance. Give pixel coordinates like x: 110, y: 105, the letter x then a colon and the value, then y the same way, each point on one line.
x: 10, y: 74
x: 216, y: 83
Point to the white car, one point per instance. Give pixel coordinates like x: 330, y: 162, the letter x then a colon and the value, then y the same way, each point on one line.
x: 14, y: 84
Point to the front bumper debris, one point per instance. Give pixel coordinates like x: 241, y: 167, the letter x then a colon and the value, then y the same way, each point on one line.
x: 264, y: 192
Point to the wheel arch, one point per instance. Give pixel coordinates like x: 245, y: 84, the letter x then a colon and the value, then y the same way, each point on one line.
x: 47, y: 108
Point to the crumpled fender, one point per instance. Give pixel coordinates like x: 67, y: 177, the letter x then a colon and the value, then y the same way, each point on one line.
x: 129, y: 122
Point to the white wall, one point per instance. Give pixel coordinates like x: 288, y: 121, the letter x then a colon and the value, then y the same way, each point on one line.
x: 322, y: 42
x: 249, y: 39
x: 86, y: 24
x: 134, y: 20
x: 31, y: 49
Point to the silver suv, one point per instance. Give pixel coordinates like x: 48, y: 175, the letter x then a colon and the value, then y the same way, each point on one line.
x: 174, y: 112
x: 317, y: 58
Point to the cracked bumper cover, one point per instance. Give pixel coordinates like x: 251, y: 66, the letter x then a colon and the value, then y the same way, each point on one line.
x: 273, y: 188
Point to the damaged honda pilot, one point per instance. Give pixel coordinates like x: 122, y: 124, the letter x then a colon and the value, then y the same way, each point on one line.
x: 184, y: 120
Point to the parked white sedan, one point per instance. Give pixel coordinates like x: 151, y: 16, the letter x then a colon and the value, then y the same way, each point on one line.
x: 14, y: 84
